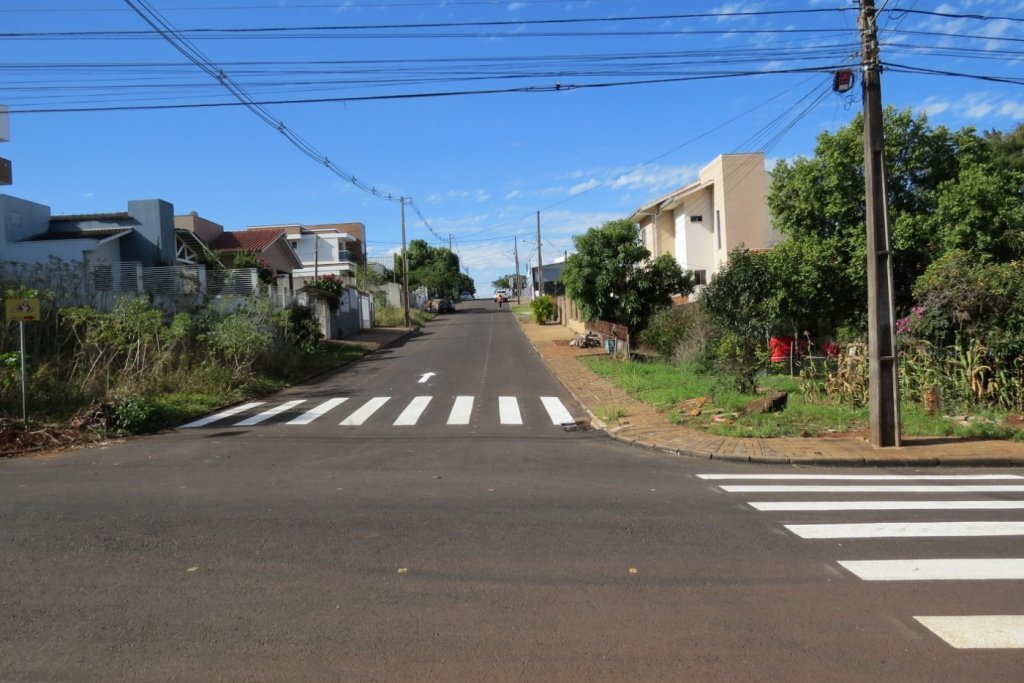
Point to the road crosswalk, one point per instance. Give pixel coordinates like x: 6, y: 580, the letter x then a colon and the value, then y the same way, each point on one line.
x: 509, y: 411
x: 903, y: 493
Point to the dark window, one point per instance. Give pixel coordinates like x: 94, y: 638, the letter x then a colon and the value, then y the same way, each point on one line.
x: 697, y: 219
x: 700, y: 277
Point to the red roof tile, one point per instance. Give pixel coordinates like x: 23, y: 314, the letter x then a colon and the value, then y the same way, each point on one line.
x: 253, y: 239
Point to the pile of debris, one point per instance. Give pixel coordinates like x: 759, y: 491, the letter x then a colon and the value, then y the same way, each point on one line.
x: 18, y: 439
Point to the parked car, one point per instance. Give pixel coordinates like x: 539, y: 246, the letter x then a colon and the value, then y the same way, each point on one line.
x: 501, y: 296
x: 466, y: 296
x: 445, y: 306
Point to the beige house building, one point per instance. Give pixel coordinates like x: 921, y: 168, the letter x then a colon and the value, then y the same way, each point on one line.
x: 699, y: 224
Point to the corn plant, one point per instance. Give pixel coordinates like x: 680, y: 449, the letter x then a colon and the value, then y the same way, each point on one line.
x: 848, y: 383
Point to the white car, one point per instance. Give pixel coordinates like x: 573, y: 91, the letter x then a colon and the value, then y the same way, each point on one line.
x: 500, y: 295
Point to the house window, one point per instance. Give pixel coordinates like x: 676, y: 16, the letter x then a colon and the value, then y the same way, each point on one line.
x: 700, y: 277
x: 697, y: 219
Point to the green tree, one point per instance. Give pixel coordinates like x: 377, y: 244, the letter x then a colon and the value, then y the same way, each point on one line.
x: 512, y: 282
x: 740, y: 297
x: 741, y: 303
x: 612, y: 278
x: 436, y: 268
x: 818, y: 202
x: 1007, y: 149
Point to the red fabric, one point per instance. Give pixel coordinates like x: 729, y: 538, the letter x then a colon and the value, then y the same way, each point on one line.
x: 779, y: 348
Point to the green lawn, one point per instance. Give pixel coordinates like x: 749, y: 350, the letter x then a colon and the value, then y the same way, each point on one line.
x: 668, y: 387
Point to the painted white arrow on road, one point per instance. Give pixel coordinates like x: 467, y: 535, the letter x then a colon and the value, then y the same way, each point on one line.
x: 426, y: 376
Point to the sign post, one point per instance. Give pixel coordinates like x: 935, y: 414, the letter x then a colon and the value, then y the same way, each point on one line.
x: 22, y: 310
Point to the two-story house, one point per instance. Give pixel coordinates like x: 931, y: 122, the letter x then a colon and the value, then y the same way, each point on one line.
x: 700, y: 223
x: 328, y: 249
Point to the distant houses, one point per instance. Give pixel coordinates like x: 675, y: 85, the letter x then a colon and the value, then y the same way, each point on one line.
x: 184, y: 259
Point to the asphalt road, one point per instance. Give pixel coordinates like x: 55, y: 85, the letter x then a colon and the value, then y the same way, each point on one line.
x: 471, y: 541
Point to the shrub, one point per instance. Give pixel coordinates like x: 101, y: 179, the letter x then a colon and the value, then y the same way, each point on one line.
x: 543, y: 308
x: 678, y: 334
x: 239, y: 340
x: 134, y: 415
x: 303, y: 327
x: 741, y: 359
x: 251, y: 259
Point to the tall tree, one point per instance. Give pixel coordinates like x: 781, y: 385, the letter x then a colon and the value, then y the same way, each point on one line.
x: 436, y: 268
x: 1007, y: 148
x: 819, y: 203
x: 612, y: 278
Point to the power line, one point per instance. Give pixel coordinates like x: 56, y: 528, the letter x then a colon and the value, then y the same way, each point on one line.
x: 518, y: 23
x: 181, y: 44
x: 556, y: 87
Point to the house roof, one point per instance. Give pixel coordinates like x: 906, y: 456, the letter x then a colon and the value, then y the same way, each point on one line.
x: 75, y: 218
x: 93, y: 233
x: 665, y: 201
x: 253, y: 239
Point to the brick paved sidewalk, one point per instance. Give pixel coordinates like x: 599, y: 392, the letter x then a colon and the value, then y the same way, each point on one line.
x: 645, y: 426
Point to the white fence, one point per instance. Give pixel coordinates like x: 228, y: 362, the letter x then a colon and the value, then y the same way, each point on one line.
x: 172, y: 288
x: 179, y: 288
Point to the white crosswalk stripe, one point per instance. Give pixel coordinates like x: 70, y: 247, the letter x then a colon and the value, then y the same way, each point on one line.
x: 230, y: 412
x: 460, y: 413
x: 411, y: 414
x: 960, y: 631
x: 860, y: 477
x: 995, y: 631
x: 363, y: 414
x: 318, y: 411
x: 987, y: 569
x: 508, y: 410
x: 856, y: 488
x: 849, y: 505
x: 267, y: 414
x: 907, y: 529
x: 556, y: 410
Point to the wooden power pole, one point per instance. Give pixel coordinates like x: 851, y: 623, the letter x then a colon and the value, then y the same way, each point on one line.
x: 540, y: 262
x: 883, y: 380
x: 405, y: 269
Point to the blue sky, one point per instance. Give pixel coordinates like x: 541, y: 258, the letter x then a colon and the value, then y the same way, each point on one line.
x: 601, y: 105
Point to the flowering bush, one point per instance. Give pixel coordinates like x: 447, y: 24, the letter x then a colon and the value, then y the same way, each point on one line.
x: 328, y: 283
x: 905, y: 325
x: 250, y: 259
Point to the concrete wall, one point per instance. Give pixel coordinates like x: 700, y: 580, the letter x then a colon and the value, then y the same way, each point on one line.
x: 665, y: 235
x: 205, y: 229
x: 21, y: 219
x: 41, y: 252
x: 695, y: 240
x: 153, y: 241
x: 740, y: 188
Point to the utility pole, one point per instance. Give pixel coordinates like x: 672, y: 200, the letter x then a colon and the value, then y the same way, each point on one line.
x: 883, y: 378
x: 540, y: 262
x: 6, y: 174
x: 405, y: 267
x: 519, y: 285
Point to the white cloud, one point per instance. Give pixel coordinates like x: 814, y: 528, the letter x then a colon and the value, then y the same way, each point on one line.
x: 656, y: 178
x: 933, y: 106
x: 583, y: 187
x: 1013, y: 110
